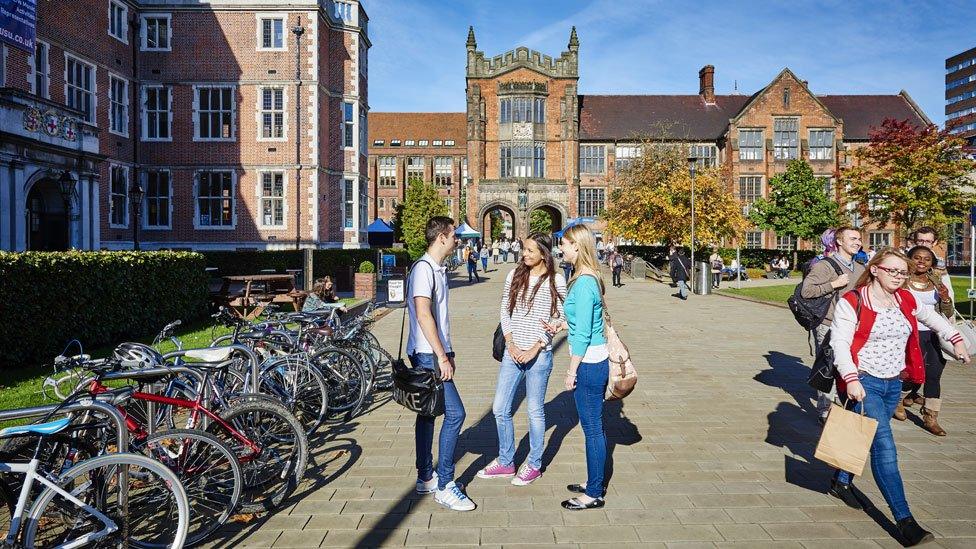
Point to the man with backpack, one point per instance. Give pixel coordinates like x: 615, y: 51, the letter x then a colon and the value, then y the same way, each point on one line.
x: 826, y: 281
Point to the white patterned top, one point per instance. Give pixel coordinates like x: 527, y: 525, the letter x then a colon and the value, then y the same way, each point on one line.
x: 883, y: 355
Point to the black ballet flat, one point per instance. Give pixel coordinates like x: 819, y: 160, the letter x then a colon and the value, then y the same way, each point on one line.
x: 577, y: 488
x: 575, y: 504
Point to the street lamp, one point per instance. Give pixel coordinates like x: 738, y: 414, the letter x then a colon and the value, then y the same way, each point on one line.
x: 136, y: 193
x: 692, y: 164
x: 298, y: 30
x: 66, y: 188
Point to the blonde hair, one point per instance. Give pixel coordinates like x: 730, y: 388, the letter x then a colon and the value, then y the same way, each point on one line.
x: 867, y: 277
x: 586, y: 257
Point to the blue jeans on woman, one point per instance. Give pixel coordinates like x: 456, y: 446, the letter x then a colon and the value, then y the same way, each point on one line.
x: 484, y: 264
x: 450, y: 429
x: 510, y: 376
x: 591, y: 384
x: 882, y: 396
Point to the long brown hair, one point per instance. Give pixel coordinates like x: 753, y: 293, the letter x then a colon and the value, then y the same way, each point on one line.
x: 520, y: 279
x: 867, y: 278
x: 328, y: 295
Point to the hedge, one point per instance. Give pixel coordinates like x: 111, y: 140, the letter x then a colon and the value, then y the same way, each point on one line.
x: 98, y: 298
x: 327, y: 262
x: 756, y: 258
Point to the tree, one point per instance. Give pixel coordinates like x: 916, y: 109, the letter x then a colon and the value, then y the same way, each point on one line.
x: 497, y: 225
x: 910, y: 176
x: 540, y: 221
x: 422, y: 202
x: 651, y: 200
x: 798, y: 204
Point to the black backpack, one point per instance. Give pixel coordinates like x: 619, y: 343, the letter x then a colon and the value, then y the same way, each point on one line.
x: 811, y: 312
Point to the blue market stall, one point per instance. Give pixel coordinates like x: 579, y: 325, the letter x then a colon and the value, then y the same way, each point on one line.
x: 379, y: 234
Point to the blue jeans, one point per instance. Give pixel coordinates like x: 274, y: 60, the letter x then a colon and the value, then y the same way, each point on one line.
x: 536, y: 376
x: 424, y: 429
x: 473, y: 272
x: 484, y: 264
x: 591, y: 383
x: 683, y: 288
x: 882, y: 396
x: 568, y: 272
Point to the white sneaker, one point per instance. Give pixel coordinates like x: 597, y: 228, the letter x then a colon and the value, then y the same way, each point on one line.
x: 453, y: 498
x: 428, y: 487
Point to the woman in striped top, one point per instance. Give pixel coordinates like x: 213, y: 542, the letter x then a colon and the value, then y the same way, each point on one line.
x: 533, y: 296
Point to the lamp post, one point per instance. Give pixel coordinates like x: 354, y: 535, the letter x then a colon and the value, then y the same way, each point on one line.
x: 692, y: 163
x: 136, y: 193
x: 66, y: 188
x: 298, y: 30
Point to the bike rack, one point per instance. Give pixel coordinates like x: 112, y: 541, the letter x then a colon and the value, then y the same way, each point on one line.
x: 251, y: 356
x: 158, y: 372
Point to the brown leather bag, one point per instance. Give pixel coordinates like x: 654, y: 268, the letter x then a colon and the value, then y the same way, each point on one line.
x: 623, y: 374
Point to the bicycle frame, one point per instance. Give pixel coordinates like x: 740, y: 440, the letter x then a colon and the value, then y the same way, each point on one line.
x: 30, y: 471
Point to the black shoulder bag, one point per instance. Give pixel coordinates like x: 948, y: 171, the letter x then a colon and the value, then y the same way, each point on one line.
x: 417, y: 389
x: 824, y: 369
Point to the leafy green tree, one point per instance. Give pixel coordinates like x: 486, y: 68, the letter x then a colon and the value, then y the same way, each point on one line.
x: 423, y: 202
x: 540, y: 221
x: 798, y: 204
x: 497, y: 225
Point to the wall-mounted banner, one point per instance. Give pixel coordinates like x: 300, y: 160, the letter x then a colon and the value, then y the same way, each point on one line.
x: 18, y: 19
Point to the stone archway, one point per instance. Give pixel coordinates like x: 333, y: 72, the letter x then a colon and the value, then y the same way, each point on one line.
x: 554, y: 212
x: 47, y: 221
x: 509, y: 213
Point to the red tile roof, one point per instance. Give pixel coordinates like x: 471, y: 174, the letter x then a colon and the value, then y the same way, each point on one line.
x: 860, y: 113
x: 683, y: 117
x: 417, y: 125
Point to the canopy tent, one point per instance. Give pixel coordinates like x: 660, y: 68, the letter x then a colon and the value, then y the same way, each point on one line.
x: 379, y: 234
x: 465, y: 231
x: 379, y: 226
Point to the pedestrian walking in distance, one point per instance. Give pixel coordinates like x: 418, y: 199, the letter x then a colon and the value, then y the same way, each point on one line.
x: 616, y: 261
x: 533, y: 296
x: 483, y: 254
x: 680, y: 267
x: 717, y: 264
x: 472, y: 262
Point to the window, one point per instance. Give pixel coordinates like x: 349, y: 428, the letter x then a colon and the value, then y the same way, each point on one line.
x: 750, y: 145
x: 438, y: 143
x: 754, y: 239
x: 821, y: 144
x: 349, y: 126
x: 158, y: 199
x: 378, y: 143
x: 464, y: 169
x: 785, y: 243
x: 214, y: 113
x: 272, y: 113
x: 522, y: 109
x: 272, y: 196
x: 449, y: 143
x: 156, y: 32
x: 272, y: 33
x: 381, y: 204
x: 118, y: 99
x: 215, y: 199
x: 707, y: 155
x: 393, y: 143
x: 118, y: 196
x: 785, y: 143
x: 386, y: 171
x: 363, y: 131
x: 786, y: 98
x: 591, y: 202
x: 157, y: 119
x: 449, y: 202
x: 117, y: 21
x: 80, y: 87
x: 750, y: 190
x: 878, y: 240
x: 422, y: 143
x: 393, y: 203
x: 348, y: 203
x: 363, y: 205
x: 443, y: 169
x: 523, y: 160
x: 415, y: 168
x: 592, y: 158
x: 42, y: 70
x: 409, y: 143
x: 343, y: 11
x: 828, y: 185
x: 625, y: 155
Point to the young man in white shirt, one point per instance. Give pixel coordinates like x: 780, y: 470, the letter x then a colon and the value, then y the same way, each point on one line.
x: 429, y: 346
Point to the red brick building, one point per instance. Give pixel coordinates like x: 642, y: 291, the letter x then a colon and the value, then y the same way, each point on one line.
x: 534, y: 142
x: 242, y: 122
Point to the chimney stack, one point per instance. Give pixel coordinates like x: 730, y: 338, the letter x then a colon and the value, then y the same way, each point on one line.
x: 706, y: 84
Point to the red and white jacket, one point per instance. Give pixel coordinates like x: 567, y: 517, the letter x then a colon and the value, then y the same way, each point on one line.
x: 849, y: 333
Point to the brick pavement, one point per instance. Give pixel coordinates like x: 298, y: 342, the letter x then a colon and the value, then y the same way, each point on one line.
x: 714, y: 448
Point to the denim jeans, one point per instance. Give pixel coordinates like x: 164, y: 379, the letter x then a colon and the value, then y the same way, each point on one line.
x: 882, y: 396
x: 424, y: 429
x: 683, y: 288
x: 591, y: 383
x: 568, y: 272
x: 536, y: 376
x: 473, y: 272
x: 484, y: 264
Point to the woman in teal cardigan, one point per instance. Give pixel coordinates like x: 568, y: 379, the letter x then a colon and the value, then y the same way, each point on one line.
x: 589, y: 367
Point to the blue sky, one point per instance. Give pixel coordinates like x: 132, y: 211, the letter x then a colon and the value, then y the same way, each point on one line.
x: 656, y: 47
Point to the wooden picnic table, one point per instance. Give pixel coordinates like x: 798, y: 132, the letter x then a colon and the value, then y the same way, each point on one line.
x: 259, y: 291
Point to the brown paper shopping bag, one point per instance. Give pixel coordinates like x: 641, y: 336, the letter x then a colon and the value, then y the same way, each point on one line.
x: 846, y: 439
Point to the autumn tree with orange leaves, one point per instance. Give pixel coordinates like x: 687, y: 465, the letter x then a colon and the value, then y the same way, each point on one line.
x: 651, y: 200
x: 911, y: 176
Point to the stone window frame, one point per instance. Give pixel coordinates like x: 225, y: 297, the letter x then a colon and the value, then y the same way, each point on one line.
x: 146, y: 112
x: 705, y: 161
x: 260, y: 18
x: 144, y: 31
x: 261, y: 112
x: 259, y: 193
x: 197, y: 111
x: 443, y: 171
x: 348, y: 125
x: 42, y: 73
x: 829, y: 155
x: 795, y: 146
x: 786, y: 243
x: 761, y: 154
x: 594, y: 199
x: 158, y: 198
x: 753, y: 240
x: 363, y: 204
x: 114, y: 103
x: 197, y: 217
x: 534, y: 161
x: 592, y: 159
x: 422, y: 166
x: 113, y: 6
x: 745, y: 186
x: 623, y: 162
x: 348, y: 204
x: 386, y: 171
x: 92, y: 115
x: 113, y: 195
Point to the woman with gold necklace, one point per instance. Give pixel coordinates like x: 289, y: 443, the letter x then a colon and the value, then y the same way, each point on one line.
x: 930, y: 291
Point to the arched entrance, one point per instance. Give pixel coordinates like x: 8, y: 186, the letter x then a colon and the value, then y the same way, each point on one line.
x: 545, y: 219
x: 498, y: 220
x: 47, y: 222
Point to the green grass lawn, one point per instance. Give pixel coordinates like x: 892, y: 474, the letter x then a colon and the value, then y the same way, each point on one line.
x: 21, y: 388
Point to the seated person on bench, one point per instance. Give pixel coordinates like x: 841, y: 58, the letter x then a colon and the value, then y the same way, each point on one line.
x: 323, y: 296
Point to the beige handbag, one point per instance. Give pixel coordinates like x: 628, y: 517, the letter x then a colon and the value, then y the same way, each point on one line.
x: 846, y: 439
x: 623, y: 375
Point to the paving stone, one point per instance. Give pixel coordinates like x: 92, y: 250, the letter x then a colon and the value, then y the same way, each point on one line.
x: 678, y: 532
x: 595, y: 534
x: 808, y: 531
x: 737, y: 532
x: 367, y: 538
x: 308, y: 538
x: 519, y: 535
x: 444, y: 536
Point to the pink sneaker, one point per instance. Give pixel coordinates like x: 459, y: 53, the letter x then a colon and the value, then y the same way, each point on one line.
x: 497, y: 470
x: 526, y: 475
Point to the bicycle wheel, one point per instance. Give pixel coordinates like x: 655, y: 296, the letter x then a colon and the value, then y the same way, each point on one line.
x: 383, y: 361
x: 157, y: 513
x: 346, y: 378
x: 278, y: 467
x: 209, y: 471
x: 58, y: 453
x: 300, y: 387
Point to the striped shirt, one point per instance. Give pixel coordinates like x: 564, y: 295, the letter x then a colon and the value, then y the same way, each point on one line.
x: 525, y: 322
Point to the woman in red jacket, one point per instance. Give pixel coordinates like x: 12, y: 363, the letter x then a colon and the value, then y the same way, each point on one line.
x: 876, y: 345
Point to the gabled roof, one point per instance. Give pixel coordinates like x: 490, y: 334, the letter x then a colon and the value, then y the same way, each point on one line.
x: 418, y: 125
x: 860, y: 113
x: 682, y: 117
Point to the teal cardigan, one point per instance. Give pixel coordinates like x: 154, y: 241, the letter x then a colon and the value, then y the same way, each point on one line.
x: 584, y: 314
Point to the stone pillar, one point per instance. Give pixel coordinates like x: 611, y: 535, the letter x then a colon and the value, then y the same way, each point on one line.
x: 18, y: 211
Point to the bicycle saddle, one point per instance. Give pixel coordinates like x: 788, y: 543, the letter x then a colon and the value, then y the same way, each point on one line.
x: 47, y: 428
x: 210, y: 354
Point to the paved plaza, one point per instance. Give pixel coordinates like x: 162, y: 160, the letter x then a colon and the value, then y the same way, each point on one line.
x: 713, y: 449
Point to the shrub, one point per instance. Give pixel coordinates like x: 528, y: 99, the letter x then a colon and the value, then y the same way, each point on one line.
x: 367, y: 267
x: 327, y: 262
x: 98, y: 298
x: 751, y: 257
